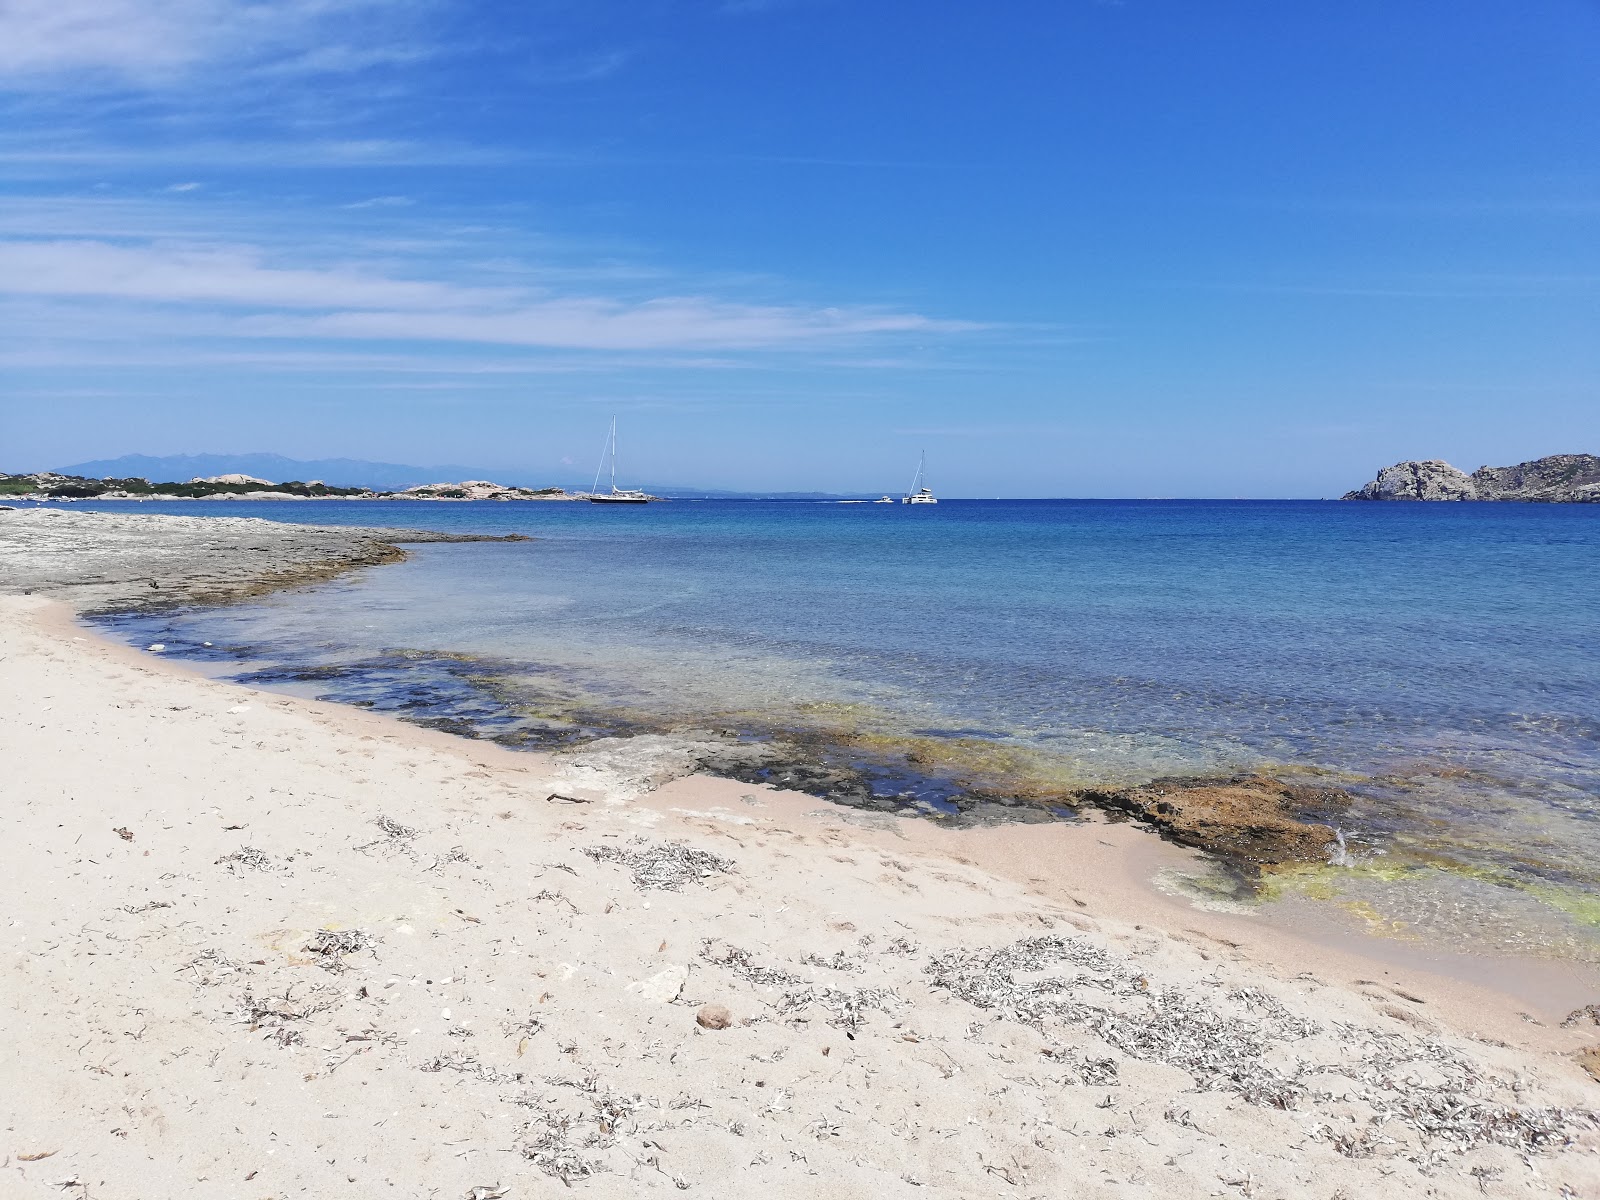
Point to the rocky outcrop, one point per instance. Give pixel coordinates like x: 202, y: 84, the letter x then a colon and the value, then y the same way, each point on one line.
x: 1560, y: 479
x: 476, y: 489
x: 1556, y: 479
x: 1433, y: 479
x: 1249, y: 820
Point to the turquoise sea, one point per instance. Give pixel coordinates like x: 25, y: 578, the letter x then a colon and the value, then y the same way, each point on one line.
x: 1442, y: 661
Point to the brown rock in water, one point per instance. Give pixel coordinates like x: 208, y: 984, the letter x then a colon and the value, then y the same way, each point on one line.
x: 1250, y: 819
x: 713, y: 1016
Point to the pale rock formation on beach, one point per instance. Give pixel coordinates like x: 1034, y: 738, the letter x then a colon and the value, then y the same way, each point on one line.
x: 231, y: 479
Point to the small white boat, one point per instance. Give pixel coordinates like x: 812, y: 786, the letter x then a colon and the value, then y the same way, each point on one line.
x: 616, y: 495
x: 885, y: 500
x: 919, y: 492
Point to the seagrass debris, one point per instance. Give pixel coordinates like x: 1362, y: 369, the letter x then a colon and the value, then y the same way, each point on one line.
x: 247, y: 858
x: 664, y: 866
x: 847, y: 1007
x: 331, y: 945
x: 1418, y: 1085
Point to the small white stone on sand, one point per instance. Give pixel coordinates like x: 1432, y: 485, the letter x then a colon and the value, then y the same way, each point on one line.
x: 237, y: 708
x: 662, y: 987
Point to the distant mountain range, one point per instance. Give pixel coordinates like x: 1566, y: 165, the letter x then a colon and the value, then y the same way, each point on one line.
x: 355, y: 472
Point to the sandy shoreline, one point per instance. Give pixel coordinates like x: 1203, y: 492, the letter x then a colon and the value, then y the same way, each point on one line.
x: 262, y: 946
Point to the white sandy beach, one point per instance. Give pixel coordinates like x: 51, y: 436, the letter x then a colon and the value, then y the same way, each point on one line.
x: 263, y: 947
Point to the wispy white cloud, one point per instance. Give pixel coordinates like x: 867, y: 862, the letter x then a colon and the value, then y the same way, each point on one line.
x: 235, y: 291
x: 149, y: 44
x: 382, y: 202
x: 64, y: 152
x: 672, y: 322
x: 225, y: 275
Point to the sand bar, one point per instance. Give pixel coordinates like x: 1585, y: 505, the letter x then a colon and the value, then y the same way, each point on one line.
x: 263, y: 947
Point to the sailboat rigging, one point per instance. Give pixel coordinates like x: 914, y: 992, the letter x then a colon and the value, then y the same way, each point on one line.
x: 919, y: 492
x: 616, y: 495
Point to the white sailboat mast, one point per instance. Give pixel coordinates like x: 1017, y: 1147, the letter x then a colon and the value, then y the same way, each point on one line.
x: 916, y: 483
x: 608, y: 450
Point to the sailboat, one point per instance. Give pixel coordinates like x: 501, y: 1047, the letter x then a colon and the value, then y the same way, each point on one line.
x: 616, y: 495
x: 920, y: 493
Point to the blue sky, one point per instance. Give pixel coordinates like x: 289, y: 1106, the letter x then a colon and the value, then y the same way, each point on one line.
x: 1069, y: 247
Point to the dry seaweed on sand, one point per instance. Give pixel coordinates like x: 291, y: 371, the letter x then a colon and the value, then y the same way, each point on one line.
x: 211, y: 967
x: 1422, y: 1087
x: 247, y: 858
x: 555, y: 1143
x: 136, y: 909
x: 464, y: 1062
x: 331, y: 945
x: 847, y: 1008
x: 274, y: 1013
x: 395, y: 835
x: 394, y: 829
x: 742, y: 964
x: 1026, y: 982
x: 665, y: 866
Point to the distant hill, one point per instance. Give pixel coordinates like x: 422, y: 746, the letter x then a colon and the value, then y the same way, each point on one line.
x: 340, y: 472
x: 355, y: 472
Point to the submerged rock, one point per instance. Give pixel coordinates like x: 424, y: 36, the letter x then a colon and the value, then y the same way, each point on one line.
x: 1251, y: 820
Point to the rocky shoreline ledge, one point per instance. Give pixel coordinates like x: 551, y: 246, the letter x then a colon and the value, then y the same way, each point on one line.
x: 112, y: 561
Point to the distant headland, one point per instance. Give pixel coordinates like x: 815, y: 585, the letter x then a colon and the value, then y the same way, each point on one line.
x: 1557, y: 479
x: 47, y: 485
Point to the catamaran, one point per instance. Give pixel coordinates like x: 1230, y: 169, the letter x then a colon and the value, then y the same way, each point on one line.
x: 919, y: 492
x: 616, y: 495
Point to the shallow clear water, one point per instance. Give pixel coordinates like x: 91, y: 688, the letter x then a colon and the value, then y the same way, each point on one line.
x: 1442, y: 659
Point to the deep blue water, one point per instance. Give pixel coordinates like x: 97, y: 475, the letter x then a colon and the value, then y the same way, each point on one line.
x: 1444, y: 657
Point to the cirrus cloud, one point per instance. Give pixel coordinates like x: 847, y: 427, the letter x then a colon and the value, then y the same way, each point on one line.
x: 150, y: 44
x: 234, y: 291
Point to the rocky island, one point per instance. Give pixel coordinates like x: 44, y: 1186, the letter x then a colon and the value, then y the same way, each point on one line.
x: 1556, y: 479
